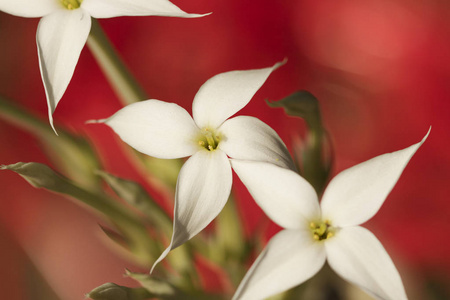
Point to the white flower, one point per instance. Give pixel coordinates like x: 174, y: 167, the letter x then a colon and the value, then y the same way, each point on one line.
x: 315, y: 233
x: 166, y: 130
x: 65, y: 26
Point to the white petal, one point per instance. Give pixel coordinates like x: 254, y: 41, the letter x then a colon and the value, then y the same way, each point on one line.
x: 60, y: 38
x: 29, y: 8
x: 225, y: 94
x: 115, y: 8
x: 288, y: 199
x: 203, y: 188
x: 356, y: 194
x: 290, y: 258
x: 156, y: 128
x: 249, y: 138
x: 359, y: 257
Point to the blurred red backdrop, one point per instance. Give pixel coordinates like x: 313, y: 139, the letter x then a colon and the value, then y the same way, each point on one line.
x: 380, y: 68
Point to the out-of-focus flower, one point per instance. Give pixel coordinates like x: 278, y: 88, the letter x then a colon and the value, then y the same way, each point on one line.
x: 165, y: 130
x: 314, y: 233
x: 64, y: 28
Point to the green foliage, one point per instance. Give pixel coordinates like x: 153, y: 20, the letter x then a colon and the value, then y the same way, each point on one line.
x: 314, y: 156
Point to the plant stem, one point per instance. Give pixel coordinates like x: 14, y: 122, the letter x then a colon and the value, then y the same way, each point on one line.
x: 122, y: 81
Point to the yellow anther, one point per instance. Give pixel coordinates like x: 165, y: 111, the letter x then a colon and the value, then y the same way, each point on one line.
x: 208, y: 139
x: 321, y: 230
x: 71, y: 4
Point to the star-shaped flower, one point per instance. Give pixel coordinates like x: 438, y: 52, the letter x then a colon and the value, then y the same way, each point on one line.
x: 166, y: 130
x: 65, y: 26
x: 330, y: 231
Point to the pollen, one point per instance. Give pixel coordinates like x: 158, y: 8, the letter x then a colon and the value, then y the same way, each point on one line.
x: 321, y: 230
x: 71, y: 4
x: 209, y: 139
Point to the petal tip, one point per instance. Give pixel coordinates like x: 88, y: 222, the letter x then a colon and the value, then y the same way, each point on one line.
x: 419, y: 144
x: 279, y: 64
x: 161, y: 257
x: 426, y: 135
x: 96, y: 121
x: 200, y: 15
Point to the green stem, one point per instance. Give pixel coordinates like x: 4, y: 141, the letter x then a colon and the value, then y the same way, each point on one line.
x: 118, y: 75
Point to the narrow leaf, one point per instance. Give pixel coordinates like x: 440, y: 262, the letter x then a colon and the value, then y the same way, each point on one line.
x: 134, y: 194
x: 41, y: 176
x: 112, y: 291
x: 82, y: 160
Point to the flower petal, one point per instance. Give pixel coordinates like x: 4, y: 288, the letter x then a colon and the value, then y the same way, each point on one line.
x: 248, y: 138
x: 115, y: 8
x: 225, y: 94
x: 29, y: 8
x: 288, y: 199
x: 203, y: 187
x: 290, y: 258
x: 356, y: 194
x: 60, y: 38
x: 359, y: 257
x: 156, y: 128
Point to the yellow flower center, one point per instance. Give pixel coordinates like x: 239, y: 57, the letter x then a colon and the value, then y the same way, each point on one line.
x: 209, y: 139
x: 71, y: 4
x: 321, y: 230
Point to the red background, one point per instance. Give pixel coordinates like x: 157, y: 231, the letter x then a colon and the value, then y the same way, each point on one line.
x: 381, y: 70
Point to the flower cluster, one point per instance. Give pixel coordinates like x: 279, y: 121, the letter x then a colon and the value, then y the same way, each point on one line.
x: 313, y: 232
x: 166, y: 130
x: 217, y: 142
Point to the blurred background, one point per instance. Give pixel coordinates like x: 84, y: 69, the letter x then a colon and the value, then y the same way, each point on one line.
x: 380, y: 69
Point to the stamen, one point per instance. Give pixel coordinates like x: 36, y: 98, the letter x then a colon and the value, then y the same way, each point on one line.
x: 208, y: 139
x: 71, y: 4
x: 322, y: 230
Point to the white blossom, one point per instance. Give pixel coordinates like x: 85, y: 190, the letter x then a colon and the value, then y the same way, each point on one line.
x: 329, y: 231
x: 64, y: 29
x: 166, y: 130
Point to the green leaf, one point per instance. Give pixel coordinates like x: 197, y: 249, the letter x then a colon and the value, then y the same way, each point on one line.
x: 134, y: 194
x: 41, y: 176
x: 157, y: 287
x: 314, y: 155
x: 116, y: 237
x: 112, y: 291
x: 301, y: 104
x: 73, y: 154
